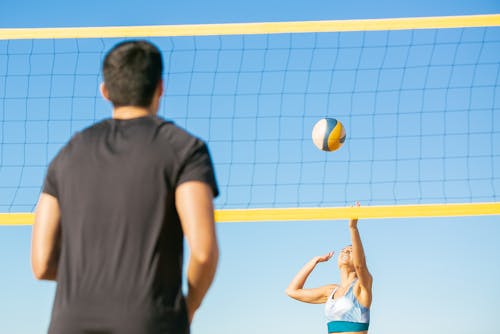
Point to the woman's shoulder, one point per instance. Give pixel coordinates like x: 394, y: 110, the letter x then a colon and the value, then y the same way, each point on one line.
x: 330, y: 289
x: 363, y: 294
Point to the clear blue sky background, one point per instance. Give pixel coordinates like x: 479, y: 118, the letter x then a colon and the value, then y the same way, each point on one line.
x: 430, y: 275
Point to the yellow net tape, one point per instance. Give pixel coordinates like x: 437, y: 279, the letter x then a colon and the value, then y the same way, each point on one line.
x: 437, y: 22
x: 333, y: 213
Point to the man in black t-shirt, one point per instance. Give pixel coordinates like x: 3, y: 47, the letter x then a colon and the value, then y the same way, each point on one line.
x: 117, y: 201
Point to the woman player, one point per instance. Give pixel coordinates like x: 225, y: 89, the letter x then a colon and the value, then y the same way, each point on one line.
x: 347, y: 304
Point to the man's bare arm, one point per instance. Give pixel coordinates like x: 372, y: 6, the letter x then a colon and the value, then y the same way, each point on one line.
x: 194, y: 202
x: 46, y: 238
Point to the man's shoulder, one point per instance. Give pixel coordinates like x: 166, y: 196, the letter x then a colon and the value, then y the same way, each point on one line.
x: 89, y: 130
x: 175, y: 133
x: 95, y: 127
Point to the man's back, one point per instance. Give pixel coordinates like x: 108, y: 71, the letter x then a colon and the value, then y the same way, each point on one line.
x: 120, y: 266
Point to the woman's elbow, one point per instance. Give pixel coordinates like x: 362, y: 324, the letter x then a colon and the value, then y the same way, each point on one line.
x: 360, y: 265
x: 292, y: 293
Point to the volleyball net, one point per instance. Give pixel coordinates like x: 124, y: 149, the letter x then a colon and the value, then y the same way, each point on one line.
x: 419, y: 98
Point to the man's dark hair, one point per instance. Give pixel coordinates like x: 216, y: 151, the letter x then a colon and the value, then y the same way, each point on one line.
x: 132, y: 71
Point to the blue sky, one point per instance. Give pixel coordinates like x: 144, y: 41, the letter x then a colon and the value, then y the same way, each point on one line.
x: 430, y: 275
x: 56, y: 13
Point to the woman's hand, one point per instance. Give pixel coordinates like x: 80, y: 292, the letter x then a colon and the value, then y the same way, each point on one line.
x: 353, y: 223
x: 323, y: 258
x: 317, y: 295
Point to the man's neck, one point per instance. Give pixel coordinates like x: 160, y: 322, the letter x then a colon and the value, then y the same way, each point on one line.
x: 129, y: 112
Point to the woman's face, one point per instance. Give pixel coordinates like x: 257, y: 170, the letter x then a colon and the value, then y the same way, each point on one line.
x: 345, y: 256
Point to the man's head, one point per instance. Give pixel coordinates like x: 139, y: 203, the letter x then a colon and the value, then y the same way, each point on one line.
x: 132, y: 73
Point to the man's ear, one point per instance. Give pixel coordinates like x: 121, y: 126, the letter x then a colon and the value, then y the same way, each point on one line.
x: 104, y: 91
x: 155, y: 102
x: 160, y: 88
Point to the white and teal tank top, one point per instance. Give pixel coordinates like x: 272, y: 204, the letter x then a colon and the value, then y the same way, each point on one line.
x: 345, y: 314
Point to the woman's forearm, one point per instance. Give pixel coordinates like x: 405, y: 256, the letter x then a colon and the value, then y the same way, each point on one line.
x: 300, y: 278
x: 358, y: 253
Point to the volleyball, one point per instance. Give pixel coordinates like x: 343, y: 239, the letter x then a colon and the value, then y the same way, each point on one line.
x: 328, y: 134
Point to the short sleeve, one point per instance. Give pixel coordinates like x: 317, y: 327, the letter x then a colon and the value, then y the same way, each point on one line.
x: 50, y: 183
x: 198, y: 166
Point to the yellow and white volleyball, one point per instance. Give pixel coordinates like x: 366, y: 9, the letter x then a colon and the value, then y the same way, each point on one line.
x: 328, y: 134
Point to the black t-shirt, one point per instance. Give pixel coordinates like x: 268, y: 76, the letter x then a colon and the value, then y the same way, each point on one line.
x: 120, y: 268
